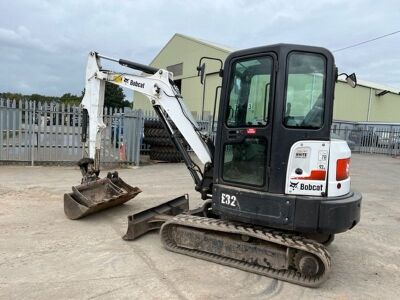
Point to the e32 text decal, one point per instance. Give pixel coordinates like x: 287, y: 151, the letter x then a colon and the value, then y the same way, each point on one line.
x: 228, y: 199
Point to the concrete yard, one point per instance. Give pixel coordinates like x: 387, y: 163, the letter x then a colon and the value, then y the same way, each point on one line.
x: 44, y: 255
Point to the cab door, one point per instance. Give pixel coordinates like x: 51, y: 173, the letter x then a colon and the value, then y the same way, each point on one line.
x: 245, y: 128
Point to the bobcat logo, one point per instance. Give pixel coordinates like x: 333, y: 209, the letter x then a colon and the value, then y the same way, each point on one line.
x: 293, y: 185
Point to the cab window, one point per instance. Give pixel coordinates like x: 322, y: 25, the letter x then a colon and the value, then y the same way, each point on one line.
x: 305, y: 91
x: 244, y: 163
x: 249, y: 92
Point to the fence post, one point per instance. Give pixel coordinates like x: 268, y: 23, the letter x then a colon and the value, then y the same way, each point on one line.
x: 139, y: 129
x: 133, y: 126
x: 32, y: 131
x: 2, y: 111
x: 81, y: 144
x: 8, y: 116
x: 14, y: 125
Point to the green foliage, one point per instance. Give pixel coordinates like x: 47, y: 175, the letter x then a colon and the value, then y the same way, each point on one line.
x: 114, y: 96
x: 34, y: 97
x: 68, y: 98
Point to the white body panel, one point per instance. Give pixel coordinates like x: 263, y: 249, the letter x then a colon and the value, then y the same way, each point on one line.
x: 317, y: 160
x: 157, y: 89
x: 311, y: 157
x: 339, y: 150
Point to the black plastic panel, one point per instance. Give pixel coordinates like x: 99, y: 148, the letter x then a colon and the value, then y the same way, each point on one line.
x: 254, y: 207
x: 297, y: 213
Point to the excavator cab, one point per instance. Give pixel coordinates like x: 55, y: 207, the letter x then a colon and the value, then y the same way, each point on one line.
x: 272, y: 162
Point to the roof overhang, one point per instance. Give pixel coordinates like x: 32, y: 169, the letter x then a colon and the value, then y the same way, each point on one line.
x: 380, y: 88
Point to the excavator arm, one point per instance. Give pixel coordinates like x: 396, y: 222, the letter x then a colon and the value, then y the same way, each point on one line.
x: 163, y: 95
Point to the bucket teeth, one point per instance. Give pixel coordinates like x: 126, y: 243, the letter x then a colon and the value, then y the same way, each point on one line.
x: 94, y: 196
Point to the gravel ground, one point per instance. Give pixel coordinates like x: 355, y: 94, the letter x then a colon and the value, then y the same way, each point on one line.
x: 43, y: 255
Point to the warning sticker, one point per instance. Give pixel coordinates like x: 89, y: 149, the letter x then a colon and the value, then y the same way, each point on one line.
x: 302, y: 153
x: 323, y: 155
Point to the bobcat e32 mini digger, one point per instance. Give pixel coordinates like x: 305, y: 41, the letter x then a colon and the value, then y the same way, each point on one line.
x: 276, y: 186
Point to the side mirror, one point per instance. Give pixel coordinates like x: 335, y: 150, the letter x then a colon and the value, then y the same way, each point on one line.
x: 352, y: 80
x: 201, y: 71
x: 201, y: 67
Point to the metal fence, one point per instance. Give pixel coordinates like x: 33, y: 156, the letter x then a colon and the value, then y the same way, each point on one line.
x: 372, y: 138
x: 377, y: 138
x: 45, y: 132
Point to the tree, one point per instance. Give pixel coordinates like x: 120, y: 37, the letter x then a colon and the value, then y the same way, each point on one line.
x: 33, y: 97
x: 68, y: 98
x: 11, y: 96
x: 114, y: 96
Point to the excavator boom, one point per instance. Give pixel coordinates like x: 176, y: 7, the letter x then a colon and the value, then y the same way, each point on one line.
x: 158, y: 88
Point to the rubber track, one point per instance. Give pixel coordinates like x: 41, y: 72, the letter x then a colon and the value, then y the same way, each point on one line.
x: 155, y: 132
x: 273, y: 236
x: 153, y: 124
x: 169, y: 154
x: 158, y: 141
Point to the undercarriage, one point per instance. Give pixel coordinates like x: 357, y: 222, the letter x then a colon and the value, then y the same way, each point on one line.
x: 200, y: 233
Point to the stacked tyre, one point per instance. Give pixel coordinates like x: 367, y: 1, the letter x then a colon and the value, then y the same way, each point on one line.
x: 161, y: 146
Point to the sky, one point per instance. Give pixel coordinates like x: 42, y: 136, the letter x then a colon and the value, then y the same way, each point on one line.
x: 44, y: 44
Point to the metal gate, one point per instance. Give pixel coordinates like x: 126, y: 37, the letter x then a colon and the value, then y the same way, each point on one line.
x: 48, y: 132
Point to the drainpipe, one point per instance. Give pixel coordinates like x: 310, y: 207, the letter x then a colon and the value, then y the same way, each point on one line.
x: 204, y: 95
x: 369, y: 103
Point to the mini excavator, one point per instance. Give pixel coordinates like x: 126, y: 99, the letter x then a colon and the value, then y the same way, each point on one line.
x: 275, y: 185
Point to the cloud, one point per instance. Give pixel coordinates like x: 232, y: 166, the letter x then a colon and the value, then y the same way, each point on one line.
x: 45, y: 43
x: 21, y: 38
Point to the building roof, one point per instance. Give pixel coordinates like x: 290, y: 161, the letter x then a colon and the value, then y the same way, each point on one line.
x: 222, y: 48
x: 209, y: 44
x: 373, y: 85
x: 227, y: 49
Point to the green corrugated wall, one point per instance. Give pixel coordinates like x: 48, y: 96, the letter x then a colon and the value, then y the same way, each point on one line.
x: 350, y: 104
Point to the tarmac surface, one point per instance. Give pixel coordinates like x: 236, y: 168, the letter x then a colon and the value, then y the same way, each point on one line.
x: 44, y: 255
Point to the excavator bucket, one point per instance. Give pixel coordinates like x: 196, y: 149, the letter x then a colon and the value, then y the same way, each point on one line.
x: 97, y: 195
x: 152, y: 218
